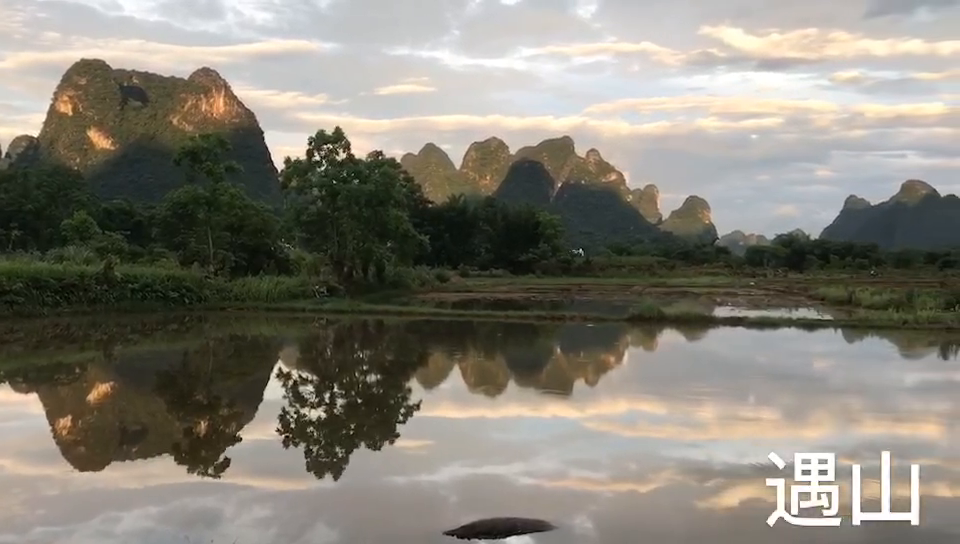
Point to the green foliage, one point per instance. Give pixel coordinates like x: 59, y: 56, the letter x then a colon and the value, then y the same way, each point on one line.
x: 42, y: 286
x: 36, y: 286
x: 34, y: 203
x: 214, y: 224
x: 356, y: 213
x: 79, y: 229
x: 489, y: 234
x: 357, y: 224
x: 798, y: 253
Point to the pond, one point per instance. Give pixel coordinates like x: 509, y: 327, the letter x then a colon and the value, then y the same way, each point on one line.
x: 274, y: 430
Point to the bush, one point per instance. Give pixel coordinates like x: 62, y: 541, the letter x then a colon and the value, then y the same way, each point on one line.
x: 29, y: 287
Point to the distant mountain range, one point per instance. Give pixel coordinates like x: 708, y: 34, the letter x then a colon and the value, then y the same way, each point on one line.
x: 121, y: 127
x: 589, y: 194
x: 738, y: 241
x: 916, y: 217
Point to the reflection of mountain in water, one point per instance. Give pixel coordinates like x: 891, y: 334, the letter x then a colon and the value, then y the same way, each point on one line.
x: 912, y: 344
x: 346, y: 384
x: 547, y: 358
x: 190, y: 404
x: 550, y: 359
x: 553, y: 358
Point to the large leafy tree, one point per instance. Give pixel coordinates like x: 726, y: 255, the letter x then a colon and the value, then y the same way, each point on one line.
x: 211, y: 221
x: 355, y: 212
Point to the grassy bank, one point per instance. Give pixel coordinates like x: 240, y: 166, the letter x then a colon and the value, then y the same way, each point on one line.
x: 908, y: 299
x: 37, y: 288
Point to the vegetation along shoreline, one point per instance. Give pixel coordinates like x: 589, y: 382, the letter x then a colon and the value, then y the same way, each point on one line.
x: 202, y: 220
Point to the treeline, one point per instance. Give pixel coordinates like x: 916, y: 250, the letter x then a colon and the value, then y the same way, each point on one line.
x: 361, y: 220
x: 794, y: 252
x: 346, y: 221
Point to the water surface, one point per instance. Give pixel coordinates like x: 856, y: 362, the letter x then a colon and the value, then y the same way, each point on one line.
x: 267, y: 431
x: 624, y: 306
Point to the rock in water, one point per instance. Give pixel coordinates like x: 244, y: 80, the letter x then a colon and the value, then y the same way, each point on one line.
x: 499, y: 528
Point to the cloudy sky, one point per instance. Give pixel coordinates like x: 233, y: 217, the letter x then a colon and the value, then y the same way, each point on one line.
x: 671, y: 444
x: 774, y: 111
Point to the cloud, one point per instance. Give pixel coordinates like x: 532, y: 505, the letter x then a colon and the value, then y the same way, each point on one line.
x: 756, y: 105
x: 409, y: 86
x: 267, y: 98
x: 884, y: 8
x: 853, y: 77
x: 789, y: 47
x: 164, y: 54
x: 737, y: 102
x: 672, y: 440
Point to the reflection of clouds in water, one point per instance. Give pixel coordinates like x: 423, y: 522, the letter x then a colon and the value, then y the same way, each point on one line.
x: 216, y: 520
x: 663, y: 436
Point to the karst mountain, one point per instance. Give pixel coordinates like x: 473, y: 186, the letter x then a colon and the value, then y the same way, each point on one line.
x: 916, y: 217
x: 120, y: 128
x: 590, y: 195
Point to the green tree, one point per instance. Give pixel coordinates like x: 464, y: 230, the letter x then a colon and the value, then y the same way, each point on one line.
x: 244, y: 233
x: 79, y: 229
x: 132, y: 221
x: 35, y: 201
x: 355, y: 212
x: 490, y: 234
x: 202, y: 156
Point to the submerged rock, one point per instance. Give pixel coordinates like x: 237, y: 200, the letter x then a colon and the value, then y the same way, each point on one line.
x: 499, y: 528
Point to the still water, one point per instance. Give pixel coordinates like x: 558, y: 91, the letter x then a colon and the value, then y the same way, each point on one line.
x: 260, y: 431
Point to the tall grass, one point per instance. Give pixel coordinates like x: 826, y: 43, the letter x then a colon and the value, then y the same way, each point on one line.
x: 36, y: 287
x: 913, y: 300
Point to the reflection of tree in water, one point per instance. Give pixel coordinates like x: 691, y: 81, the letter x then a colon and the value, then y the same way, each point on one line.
x: 210, y: 417
x: 189, y: 393
x: 350, y: 390
x: 948, y: 351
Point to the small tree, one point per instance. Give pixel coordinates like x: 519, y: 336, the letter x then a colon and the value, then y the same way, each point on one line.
x: 203, y: 157
x: 79, y: 229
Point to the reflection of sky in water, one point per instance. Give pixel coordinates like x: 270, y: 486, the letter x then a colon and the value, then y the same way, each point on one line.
x: 795, y: 313
x: 669, y: 446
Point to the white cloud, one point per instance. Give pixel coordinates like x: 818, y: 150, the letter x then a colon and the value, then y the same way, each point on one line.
x: 156, y: 54
x: 404, y: 88
x: 809, y: 44
x: 267, y: 98
x: 697, y: 97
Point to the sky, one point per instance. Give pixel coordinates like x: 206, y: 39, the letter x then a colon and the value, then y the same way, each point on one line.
x: 673, y: 443
x: 773, y: 111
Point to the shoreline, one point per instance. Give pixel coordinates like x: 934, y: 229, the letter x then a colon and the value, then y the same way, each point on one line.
x: 882, y: 320
x: 654, y: 315
x: 923, y: 303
